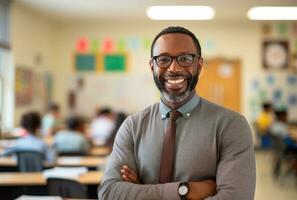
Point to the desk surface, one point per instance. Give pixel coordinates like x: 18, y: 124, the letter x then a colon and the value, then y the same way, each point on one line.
x: 94, y: 151
x: 87, y: 161
x: 99, y: 151
x: 36, y: 178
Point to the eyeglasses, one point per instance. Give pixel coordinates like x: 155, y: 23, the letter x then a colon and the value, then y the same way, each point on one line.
x: 184, y: 60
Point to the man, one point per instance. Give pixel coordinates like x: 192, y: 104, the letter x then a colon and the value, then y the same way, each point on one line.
x: 213, y: 152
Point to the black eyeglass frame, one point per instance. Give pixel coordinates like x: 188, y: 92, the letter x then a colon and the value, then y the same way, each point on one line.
x: 154, y: 58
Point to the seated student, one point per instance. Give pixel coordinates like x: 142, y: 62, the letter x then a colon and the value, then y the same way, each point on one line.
x: 30, y: 122
x: 102, y: 126
x: 72, y: 140
x: 50, y: 121
x: 280, y: 128
x: 265, y: 119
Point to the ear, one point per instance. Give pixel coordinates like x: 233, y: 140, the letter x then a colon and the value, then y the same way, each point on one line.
x: 200, y: 64
x: 151, y: 65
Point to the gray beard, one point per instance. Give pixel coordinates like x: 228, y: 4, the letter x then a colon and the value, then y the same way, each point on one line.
x: 176, y: 99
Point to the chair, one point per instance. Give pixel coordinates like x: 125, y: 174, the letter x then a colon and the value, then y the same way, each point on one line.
x: 30, y: 161
x: 66, y: 188
x: 72, y: 153
x: 281, y: 153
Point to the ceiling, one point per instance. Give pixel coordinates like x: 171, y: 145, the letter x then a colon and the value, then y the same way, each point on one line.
x: 134, y: 10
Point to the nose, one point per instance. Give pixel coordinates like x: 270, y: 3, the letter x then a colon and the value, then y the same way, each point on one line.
x: 174, y: 67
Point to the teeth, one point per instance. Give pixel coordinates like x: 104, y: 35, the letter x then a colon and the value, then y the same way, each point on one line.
x: 175, y: 81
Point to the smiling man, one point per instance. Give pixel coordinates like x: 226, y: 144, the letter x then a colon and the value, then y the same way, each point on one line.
x: 184, y: 147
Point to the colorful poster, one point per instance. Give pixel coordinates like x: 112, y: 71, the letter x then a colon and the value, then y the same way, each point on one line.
x: 82, y: 45
x: 95, y: 46
x: 108, y: 45
x: 23, y: 86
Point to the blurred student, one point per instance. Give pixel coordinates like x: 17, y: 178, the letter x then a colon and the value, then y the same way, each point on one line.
x: 265, y: 119
x: 72, y: 140
x: 30, y: 122
x: 102, y: 126
x: 280, y: 128
x: 50, y: 121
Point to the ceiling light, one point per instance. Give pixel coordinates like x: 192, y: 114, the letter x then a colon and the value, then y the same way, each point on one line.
x: 272, y: 13
x: 180, y: 12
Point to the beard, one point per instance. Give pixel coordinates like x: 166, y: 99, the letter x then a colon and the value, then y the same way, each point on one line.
x: 192, y: 81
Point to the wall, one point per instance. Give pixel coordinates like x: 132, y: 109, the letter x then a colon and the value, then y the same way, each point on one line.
x: 31, y: 36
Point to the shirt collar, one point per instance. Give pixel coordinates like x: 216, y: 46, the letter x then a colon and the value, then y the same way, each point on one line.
x: 185, y: 109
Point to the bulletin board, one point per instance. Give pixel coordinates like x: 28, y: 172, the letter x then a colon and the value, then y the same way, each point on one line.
x: 23, y: 86
x: 85, y: 62
x: 115, y: 62
x: 279, y: 88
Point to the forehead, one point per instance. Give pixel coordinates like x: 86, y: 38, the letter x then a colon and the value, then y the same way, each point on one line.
x: 174, y: 44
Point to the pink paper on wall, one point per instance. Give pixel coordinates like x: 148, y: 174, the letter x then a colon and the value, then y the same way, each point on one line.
x: 82, y: 45
x: 108, y: 45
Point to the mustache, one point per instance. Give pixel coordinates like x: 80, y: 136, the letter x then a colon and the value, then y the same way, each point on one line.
x: 167, y: 75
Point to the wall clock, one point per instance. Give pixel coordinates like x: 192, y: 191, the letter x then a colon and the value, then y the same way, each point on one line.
x: 275, y: 54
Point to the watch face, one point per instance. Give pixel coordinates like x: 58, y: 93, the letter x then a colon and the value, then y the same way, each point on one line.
x: 183, y: 190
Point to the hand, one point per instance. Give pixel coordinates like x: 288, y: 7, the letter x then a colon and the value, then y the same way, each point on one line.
x: 202, y: 189
x: 129, y: 175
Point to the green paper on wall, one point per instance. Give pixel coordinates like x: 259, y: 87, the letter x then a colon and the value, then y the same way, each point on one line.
x: 95, y: 46
x: 115, y: 62
x: 85, y: 62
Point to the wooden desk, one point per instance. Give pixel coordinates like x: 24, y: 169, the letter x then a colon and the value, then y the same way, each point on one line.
x: 99, y: 151
x: 87, y: 161
x: 36, y: 178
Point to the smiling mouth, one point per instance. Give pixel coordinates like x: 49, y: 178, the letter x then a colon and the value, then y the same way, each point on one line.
x: 175, y: 83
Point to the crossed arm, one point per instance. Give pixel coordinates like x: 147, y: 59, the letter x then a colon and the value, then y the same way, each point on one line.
x: 198, y: 190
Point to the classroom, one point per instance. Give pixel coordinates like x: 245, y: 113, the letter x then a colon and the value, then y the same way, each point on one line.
x: 82, y: 83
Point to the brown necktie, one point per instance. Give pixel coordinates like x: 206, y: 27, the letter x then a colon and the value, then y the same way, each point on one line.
x: 167, y: 159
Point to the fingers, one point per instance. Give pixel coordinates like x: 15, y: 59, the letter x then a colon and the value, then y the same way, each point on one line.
x: 125, y: 167
x: 129, y: 175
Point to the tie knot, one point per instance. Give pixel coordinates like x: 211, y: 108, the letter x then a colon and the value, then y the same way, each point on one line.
x: 174, y: 114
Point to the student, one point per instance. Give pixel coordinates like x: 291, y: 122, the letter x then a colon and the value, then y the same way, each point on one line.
x: 102, y: 126
x: 50, y: 121
x: 30, y: 122
x: 184, y: 147
x: 265, y: 119
x: 72, y: 140
x: 280, y: 128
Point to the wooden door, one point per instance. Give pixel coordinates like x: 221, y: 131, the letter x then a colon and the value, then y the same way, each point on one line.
x: 220, y: 82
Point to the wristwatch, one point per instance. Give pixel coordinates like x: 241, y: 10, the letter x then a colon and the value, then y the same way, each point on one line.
x: 183, y: 190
